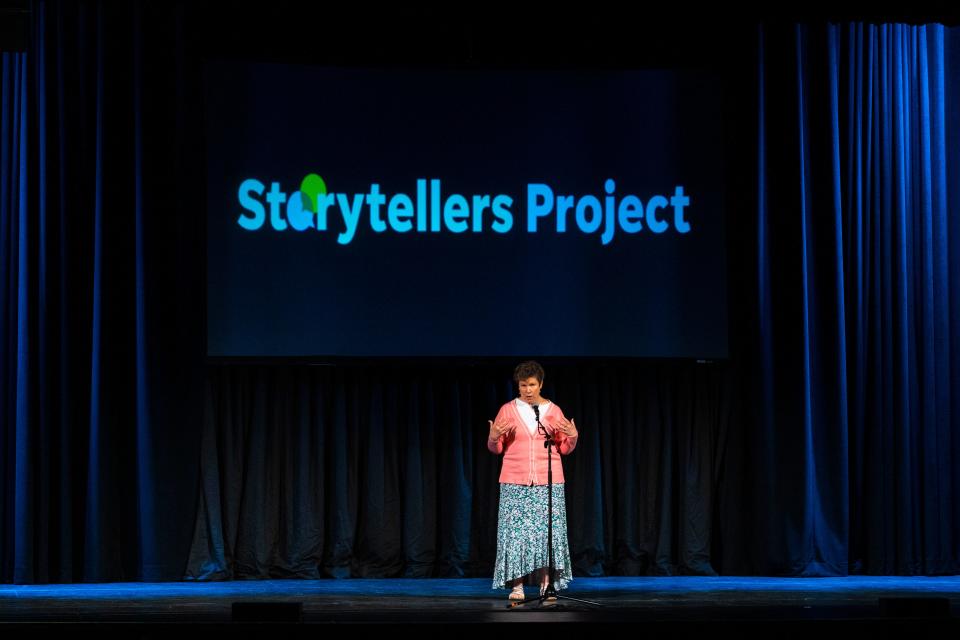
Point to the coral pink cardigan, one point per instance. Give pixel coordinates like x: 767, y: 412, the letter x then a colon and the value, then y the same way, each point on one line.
x: 524, y: 456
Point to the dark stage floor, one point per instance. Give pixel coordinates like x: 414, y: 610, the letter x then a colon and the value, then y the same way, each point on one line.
x: 784, y: 606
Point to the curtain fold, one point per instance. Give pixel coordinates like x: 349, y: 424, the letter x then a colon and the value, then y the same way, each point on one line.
x: 105, y: 349
x: 858, y: 242
x: 382, y: 471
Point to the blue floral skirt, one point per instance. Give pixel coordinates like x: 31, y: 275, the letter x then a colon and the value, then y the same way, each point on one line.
x: 522, y: 535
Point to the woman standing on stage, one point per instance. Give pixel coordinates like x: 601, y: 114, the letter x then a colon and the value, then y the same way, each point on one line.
x: 522, y: 551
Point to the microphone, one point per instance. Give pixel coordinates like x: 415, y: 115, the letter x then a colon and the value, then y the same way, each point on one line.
x: 540, y: 428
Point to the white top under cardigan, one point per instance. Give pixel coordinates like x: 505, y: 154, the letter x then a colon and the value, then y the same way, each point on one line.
x: 529, y: 418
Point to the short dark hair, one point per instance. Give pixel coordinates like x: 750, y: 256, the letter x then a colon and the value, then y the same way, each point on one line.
x: 528, y: 369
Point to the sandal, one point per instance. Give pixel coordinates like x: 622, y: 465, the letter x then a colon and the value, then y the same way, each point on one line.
x: 517, y: 593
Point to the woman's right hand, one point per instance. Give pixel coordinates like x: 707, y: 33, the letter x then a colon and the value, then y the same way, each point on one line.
x: 499, y: 428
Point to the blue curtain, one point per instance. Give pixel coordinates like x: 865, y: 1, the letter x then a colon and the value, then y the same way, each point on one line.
x: 13, y: 289
x: 97, y: 365
x: 381, y: 470
x: 858, y: 287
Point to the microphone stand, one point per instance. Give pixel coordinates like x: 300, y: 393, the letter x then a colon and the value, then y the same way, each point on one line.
x: 550, y: 593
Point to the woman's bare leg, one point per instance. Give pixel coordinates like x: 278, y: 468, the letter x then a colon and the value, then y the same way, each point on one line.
x: 544, y: 577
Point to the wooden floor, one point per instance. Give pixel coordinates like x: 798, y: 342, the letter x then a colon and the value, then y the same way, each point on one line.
x: 788, y: 607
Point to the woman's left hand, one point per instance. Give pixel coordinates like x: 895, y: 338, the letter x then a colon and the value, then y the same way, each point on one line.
x: 567, y: 427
